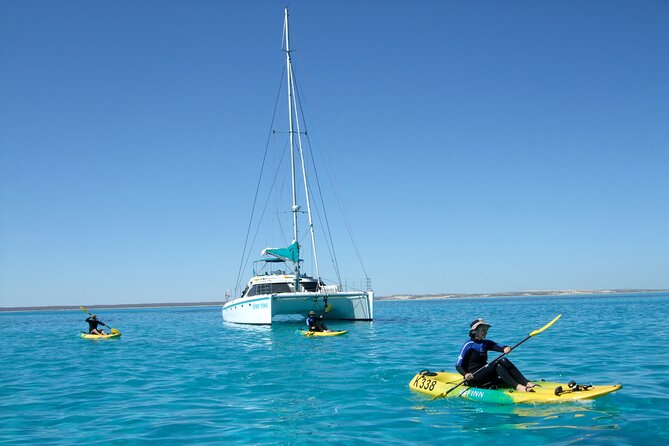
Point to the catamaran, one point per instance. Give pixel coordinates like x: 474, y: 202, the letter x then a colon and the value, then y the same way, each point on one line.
x: 279, y: 286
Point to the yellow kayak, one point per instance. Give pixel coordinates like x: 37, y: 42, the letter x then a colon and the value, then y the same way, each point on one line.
x: 323, y: 333
x: 437, y: 384
x: 114, y: 334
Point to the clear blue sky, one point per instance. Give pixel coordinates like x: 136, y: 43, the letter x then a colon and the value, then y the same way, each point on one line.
x: 477, y: 146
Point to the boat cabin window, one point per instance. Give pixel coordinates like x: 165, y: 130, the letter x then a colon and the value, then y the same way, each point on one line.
x: 269, y: 288
x: 310, y: 286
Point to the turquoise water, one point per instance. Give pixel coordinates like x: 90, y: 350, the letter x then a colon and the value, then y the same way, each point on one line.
x: 196, y: 380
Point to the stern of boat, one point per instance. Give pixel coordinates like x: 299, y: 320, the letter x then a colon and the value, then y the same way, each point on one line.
x: 352, y: 306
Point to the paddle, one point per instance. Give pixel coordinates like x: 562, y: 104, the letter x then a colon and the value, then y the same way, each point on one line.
x: 101, y: 323
x: 327, y: 310
x: 534, y: 333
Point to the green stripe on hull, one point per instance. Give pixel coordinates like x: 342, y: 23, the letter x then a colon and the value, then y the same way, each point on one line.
x: 485, y: 395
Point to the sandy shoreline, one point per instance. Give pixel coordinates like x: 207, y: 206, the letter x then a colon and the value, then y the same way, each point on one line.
x: 529, y: 293
x: 394, y: 297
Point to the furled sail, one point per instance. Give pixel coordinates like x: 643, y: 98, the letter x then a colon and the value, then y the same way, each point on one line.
x: 291, y: 253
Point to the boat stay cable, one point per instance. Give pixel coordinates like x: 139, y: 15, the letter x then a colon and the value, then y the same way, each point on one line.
x: 244, y: 258
x: 328, y: 236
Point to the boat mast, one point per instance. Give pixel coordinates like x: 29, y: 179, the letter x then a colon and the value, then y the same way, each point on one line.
x: 306, y: 190
x: 294, y: 125
x: 295, y: 208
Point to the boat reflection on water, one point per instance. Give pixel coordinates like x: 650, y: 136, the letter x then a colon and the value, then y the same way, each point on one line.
x: 580, y: 415
x: 249, y: 337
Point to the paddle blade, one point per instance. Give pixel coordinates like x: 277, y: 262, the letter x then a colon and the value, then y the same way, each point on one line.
x: 85, y: 310
x: 536, y: 332
x: 328, y: 308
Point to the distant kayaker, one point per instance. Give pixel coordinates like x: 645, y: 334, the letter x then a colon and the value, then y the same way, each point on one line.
x: 93, y: 323
x: 474, y: 356
x: 315, y: 323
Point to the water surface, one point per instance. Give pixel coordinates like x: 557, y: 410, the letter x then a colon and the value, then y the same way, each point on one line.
x: 182, y: 376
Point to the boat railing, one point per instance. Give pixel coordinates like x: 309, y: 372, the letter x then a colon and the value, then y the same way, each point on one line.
x: 348, y: 285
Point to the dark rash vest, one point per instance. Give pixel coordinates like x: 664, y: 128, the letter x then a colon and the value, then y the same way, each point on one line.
x: 474, y: 355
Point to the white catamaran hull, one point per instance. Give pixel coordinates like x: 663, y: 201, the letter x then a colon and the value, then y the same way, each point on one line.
x: 260, y: 309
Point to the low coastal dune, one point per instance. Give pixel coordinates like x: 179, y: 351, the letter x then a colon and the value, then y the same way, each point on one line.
x: 394, y: 297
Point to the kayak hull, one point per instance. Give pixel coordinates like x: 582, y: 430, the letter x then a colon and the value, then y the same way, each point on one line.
x: 322, y: 333
x: 114, y: 334
x: 437, y: 384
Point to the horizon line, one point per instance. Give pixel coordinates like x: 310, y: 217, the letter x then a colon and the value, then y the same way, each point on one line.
x: 391, y: 297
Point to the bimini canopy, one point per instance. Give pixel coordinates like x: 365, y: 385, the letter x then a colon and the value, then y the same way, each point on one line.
x: 291, y: 253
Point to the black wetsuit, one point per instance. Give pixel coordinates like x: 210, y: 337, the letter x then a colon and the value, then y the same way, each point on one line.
x: 474, y: 355
x: 93, y: 324
x: 315, y: 325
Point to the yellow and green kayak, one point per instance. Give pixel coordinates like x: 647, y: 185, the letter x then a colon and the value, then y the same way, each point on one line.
x: 437, y: 384
x: 323, y: 333
x: 114, y: 334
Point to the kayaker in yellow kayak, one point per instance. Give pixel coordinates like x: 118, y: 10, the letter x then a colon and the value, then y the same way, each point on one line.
x: 93, y: 323
x: 473, y: 362
x: 315, y: 323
